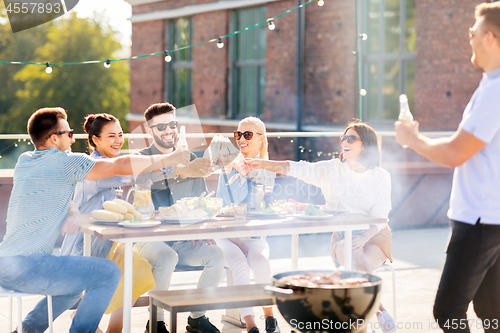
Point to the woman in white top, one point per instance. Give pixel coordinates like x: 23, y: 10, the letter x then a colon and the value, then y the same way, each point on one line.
x: 248, y: 253
x: 354, y: 183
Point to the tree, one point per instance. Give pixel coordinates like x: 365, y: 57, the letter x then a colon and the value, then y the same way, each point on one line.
x: 15, y: 47
x: 80, y: 89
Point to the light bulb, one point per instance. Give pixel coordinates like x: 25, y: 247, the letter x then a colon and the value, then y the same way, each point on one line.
x: 168, y: 57
x: 321, y: 3
x: 363, y: 36
x: 107, y: 64
x: 362, y: 92
x: 220, y: 43
x: 48, y: 69
x: 270, y: 24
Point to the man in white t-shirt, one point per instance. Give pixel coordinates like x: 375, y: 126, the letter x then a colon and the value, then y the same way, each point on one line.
x: 472, y: 269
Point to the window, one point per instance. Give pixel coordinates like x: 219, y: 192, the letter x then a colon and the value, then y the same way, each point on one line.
x: 179, y: 70
x: 388, y: 56
x: 248, y: 70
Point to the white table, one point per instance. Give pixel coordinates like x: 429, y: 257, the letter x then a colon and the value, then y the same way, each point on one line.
x: 225, y: 228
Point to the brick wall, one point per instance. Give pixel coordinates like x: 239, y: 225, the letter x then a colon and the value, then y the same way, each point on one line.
x: 444, y: 76
x: 167, y: 4
x: 281, y: 74
x: 146, y: 74
x: 210, y: 64
x: 444, y: 83
x: 330, y: 68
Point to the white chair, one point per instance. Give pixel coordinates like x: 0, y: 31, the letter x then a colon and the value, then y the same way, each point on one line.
x: 11, y: 294
x: 388, y: 265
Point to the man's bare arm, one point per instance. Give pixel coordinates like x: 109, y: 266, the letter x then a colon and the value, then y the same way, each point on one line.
x: 451, y: 152
x: 136, y: 164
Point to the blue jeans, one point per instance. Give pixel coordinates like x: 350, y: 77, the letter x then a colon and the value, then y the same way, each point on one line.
x: 65, y: 278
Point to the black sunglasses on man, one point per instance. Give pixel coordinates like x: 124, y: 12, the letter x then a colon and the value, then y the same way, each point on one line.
x: 161, y: 127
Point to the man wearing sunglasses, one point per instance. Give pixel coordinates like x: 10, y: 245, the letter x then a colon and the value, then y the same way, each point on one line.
x: 472, y: 268
x: 40, y: 209
x: 180, y: 182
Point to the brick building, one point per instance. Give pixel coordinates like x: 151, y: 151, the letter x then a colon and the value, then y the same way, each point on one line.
x: 415, y: 47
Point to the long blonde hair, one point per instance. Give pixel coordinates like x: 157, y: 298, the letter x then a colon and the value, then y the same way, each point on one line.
x: 259, y: 124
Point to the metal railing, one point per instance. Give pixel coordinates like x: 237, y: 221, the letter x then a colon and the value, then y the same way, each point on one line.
x: 25, y: 139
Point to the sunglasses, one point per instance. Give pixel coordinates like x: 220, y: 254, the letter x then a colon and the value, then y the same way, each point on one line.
x: 349, y: 138
x: 248, y: 135
x: 70, y: 134
x: 162, y: 127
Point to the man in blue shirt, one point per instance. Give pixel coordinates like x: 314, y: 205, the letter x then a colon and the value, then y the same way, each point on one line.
x: 39, y: 209
x: 472, y: 268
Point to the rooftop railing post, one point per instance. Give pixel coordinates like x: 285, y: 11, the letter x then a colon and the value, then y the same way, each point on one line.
x: 300, y: 60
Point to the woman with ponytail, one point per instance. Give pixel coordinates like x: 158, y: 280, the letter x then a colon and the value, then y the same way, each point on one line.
x: 105, y: 139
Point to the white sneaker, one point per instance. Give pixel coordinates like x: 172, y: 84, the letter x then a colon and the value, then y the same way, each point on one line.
x: 387, y: 324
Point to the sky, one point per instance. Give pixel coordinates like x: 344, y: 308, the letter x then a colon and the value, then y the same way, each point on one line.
x: 118, y: 12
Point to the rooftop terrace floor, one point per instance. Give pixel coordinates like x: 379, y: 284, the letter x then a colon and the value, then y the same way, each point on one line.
x: 418, y: 259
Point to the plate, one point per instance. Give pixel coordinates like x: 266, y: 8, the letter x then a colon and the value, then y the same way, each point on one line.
x: 313, y: 217
x: 106, y: 222
x: 139, y: 225
x: 180, y: 221
x: 265, y: 216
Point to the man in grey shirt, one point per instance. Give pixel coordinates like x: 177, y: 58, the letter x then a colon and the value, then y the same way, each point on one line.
x: 180, y: 183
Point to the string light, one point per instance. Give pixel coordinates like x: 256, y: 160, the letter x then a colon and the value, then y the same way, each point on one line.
x: 107, y: 64
x: 321, y: 3
x: 220, y: 43
x: 168, y: 57
x: 362, y: 92
x: 270, y: 24
x: 363, y: 36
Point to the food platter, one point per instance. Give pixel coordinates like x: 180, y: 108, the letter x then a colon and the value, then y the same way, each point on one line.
x: 180, y: 221
x: 105, y: 222
x: 128, y: 224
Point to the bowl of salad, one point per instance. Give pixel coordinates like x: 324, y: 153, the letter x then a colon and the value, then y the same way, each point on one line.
x: 212, y: 206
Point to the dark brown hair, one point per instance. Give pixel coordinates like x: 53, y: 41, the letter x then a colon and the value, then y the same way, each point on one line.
x: 370, y: 157
x: 158, y: 109
x: 43, y: 123
x: 93, y: 126
x: 491, y: 14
